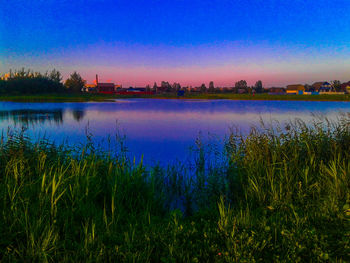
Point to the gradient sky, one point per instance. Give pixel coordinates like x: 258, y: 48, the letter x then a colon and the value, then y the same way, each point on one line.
x: 138, y: 42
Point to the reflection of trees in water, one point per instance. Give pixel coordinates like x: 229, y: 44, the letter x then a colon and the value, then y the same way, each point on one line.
x: 32, y: 116
x: 78, y: 115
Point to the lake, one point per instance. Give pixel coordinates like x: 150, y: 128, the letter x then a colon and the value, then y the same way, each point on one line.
x: 161, y: 130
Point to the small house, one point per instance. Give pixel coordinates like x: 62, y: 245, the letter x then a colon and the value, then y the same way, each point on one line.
x: 89, y: 88
x: 180, y: 93
x: 322, y: 86
x: 276, y: 91
x: 345, y: 87
x: 134, y: 91
x: 295, y: 89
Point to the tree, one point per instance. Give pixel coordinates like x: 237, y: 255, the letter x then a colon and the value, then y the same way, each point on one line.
x: 55, y: 76
x: 155, y: 87
x: 211, y: 87
x: 176, y: 87
x: 28, y: 82
x: 165, y: 86
x: 242, y: 84
x: 258, y: 87
x: 336, y: 84
x: 203, y: 88
x: 75, y: 82
x: 241, y: 87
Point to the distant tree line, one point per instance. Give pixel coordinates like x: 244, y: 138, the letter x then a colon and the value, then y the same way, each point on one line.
x: 239, y: 87
x: 26, y: 82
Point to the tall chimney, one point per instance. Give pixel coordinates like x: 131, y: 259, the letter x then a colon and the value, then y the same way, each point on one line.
x: 96, y: 79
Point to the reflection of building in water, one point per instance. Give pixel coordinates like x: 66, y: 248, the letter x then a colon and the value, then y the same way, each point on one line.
x: 78, y: 115
x: 32, y: 116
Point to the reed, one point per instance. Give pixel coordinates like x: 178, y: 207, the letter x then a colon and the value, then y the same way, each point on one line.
x: 276, y: 195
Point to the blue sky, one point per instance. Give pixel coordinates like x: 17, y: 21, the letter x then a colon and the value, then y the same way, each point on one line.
x: 187, y: 41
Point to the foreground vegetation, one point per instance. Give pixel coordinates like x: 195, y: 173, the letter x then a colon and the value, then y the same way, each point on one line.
x: 83, y: 97
x: 276, y: 195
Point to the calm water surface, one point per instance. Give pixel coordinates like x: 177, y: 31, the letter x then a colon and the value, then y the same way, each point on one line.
x: 161, y: 130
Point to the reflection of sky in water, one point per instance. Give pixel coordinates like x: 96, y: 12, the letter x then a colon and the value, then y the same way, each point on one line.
x: 160, y: 129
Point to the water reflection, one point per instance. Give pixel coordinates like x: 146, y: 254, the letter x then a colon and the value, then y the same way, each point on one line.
x: 78, y: 115
x: 32, y: 117
x: 161, y: 130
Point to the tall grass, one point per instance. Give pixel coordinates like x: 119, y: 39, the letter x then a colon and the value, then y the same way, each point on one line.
x: 276, y: 195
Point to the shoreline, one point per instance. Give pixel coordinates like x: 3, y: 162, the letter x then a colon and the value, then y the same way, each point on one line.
x: 109, y: 98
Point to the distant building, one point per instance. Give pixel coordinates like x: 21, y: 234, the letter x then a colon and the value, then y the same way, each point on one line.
x: 134, y: 91
x: 317, y: 85
x: 105, y: 88
x: 277, y: 91
x: 180, y: 93
x: 195, y: 89
x: 345, y: 87
x: 295, y: 89
x: 137, y: 89
x: 89, y: 88
x: 242, y: 91
x: 322, y: 86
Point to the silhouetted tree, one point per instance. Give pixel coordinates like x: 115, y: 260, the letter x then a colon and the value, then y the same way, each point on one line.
x: 155, y: 87
x: 203, y: 88
x: 258, y: 87
x: 74, y: 83
x: 55, y: 76
x: 165, y: 86
x: 242, y: 84
x: 211, y: 87
x: 176, y: 87
x: 28, y: 82
x: 336, y: 84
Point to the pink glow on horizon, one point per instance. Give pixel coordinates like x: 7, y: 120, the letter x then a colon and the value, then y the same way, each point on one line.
x: 222, y: 76
x: 225, y: 64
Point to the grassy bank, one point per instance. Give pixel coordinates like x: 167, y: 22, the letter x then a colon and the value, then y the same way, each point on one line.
x: 264, y: 96
x: 207, y: 96
x: 279, y: 196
